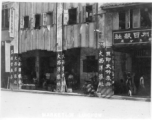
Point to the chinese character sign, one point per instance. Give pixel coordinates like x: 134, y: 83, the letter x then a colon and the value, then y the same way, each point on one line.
x: 59, y: 26
x: 132, y: 36
x: 101, y: 62
x: 12, y: 22
x: 60, y: 70
x: 108, y: 67
x: 15, y: 66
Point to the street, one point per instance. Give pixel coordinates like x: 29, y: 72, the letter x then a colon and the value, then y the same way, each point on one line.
x: 32, y: 105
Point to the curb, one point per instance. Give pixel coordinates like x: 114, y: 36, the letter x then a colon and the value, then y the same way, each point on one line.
x: 43, y: 92
x: 84, y: 95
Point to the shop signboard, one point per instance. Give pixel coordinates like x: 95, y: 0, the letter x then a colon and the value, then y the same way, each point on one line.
x: 132, y: 36
x: 60, y: 71
x: 59, y: 26
x: 15, y: 66
x: 101, y: 65
x: 106, y: 71
x: 108, y: 67
x: 12, y: 23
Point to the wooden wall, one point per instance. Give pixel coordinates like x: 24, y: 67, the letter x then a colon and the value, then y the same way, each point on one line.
x: 77, y: 35
x: 81, y: 34
x: 37, y: 39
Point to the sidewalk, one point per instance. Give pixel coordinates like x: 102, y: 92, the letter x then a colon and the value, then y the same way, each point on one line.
x: 135, y: 98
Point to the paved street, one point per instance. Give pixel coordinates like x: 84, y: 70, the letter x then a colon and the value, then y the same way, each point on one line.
x: 31, y: 105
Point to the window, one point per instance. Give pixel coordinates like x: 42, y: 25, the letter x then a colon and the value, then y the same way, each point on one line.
x: 89, y: 13
x: 90, y: 64
x: 72, y: 16
x: 37, y: 21
x: 5, y: 19
x: 49, y: 19
x: 131, y: 18
x: 145, y: 17
x: 122, y: 20
x: 26, y: 22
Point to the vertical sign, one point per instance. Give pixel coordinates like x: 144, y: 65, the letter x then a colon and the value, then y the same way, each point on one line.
x: 15, y: 70
x: 59, y: 26
x: 60, y: 72
x: 2, y: 61
x: 12, y: 22
x: 101, y: 65
x: 108, y: 67
x: 60, y: 56
x: 13, y: 77
x: 113, y: 68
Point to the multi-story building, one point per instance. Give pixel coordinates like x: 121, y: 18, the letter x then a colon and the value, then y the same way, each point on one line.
x: 83, y: 39
x: 10, y: 21
x: 128, y: 32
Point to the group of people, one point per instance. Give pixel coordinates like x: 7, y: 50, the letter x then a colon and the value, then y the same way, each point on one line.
x: 130, y: 82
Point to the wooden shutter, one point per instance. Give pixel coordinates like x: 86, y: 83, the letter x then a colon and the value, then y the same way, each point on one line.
x: 32, y: 21
x: 78, y: 14
x: 94, y: 10
x: 84, y: 13
x: 66, y: 17
x: 127, y: 19
x: 115, y: 21
x: 54, y: 14
x: 44, y: 19
x: 136, y: 18
x: 21, y: 22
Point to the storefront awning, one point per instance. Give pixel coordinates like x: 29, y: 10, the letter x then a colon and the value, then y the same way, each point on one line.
x: 129, y: 47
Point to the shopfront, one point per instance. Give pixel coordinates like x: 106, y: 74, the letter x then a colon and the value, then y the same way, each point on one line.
x: 135, y: 47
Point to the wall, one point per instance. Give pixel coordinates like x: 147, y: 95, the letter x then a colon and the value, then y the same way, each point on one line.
x: 37, y: 39
x: 86, y: 52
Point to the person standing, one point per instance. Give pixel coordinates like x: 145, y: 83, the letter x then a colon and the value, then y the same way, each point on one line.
x: 142, y: 85
x: 133, y: 84
x: 129, y: 84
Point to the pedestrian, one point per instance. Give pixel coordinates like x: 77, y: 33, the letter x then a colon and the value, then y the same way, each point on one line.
x: 121, y: 86
x: 142, y: 85
x: 133, y: 83
x: 129, y: 84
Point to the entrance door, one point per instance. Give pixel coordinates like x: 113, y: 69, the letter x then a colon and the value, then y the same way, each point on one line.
x: 142, y: 66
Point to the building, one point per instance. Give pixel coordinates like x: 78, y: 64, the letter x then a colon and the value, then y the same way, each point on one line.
x: 9, y: 38
x: 84, y: 39
x: 128, y: 28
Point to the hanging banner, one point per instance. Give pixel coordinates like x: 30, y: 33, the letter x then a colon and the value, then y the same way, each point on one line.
x: 108, y: 67
x: 60, y: 72
x: 66, y: 17
x: 44, y: 19
x: 15, y: 66
x: 59, y: 26
x: 32, y: 22
x: 21, y: 22
x: 12, y: 23
x: 101, y: 64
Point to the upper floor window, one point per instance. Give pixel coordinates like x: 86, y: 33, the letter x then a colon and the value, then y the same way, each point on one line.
x: 145, y: 17
x: 26, y: 22
x: 89, y: 13
x: 49, y: 18
x: 72, y: 16
x: 37, y: 21
x: 5, y: 19
x: 122, y: 20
